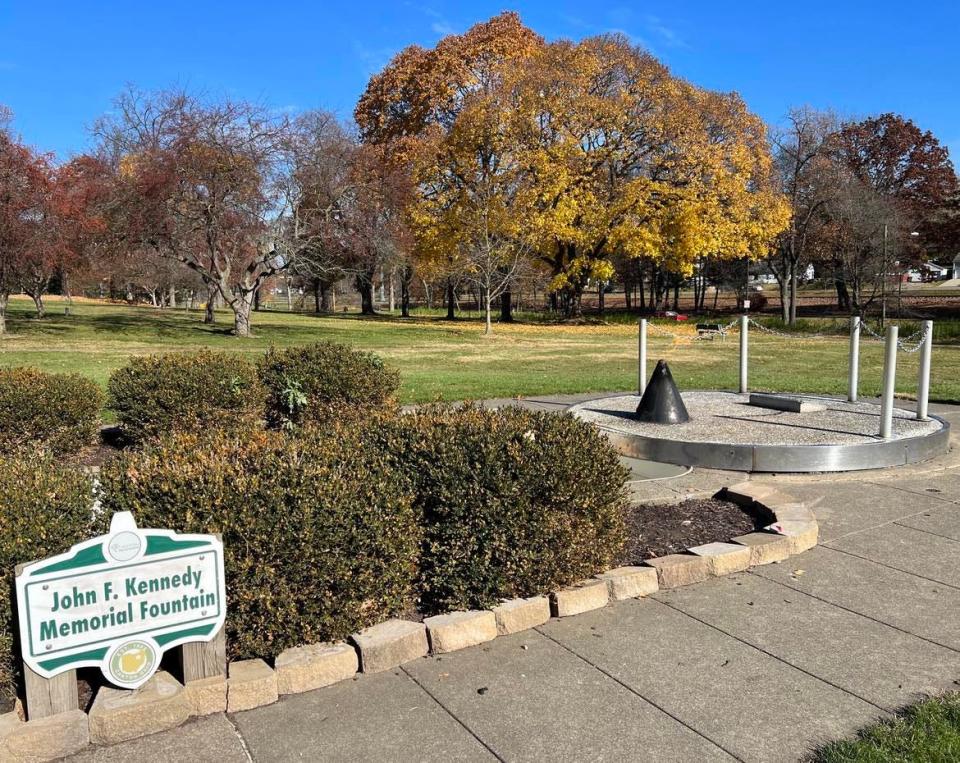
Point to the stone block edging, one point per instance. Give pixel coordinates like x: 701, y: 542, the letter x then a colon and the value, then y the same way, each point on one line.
x: 117, y: 714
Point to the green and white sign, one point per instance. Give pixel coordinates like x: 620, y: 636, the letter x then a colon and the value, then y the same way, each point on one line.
x: 119, y: 601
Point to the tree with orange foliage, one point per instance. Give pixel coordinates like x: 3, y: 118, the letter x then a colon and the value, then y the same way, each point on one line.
x: 439, y: 113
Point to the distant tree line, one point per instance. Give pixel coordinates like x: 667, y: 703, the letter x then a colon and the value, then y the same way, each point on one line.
x: 495, y: 164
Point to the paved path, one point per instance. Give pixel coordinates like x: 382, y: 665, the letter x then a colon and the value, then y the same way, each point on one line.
x: 758, y: 666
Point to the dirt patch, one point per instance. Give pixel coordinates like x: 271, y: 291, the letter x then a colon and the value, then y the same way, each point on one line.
x: 661, y: 529
x: 109, y: 444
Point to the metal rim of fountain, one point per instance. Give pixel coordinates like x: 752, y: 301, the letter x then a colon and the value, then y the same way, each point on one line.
x: 778, y: 458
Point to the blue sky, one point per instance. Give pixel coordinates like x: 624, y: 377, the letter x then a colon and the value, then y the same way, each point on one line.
x: 61, y: 63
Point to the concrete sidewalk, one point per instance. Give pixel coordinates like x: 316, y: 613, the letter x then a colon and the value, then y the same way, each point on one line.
x: 757, y: 666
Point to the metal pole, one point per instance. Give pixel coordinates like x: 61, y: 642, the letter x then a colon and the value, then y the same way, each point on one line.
x: 642, y: 375
x: 744, y: 322
x: 883, y: 282
x: 889, y: 382
x: 923, y: 385
x: 853, y: 388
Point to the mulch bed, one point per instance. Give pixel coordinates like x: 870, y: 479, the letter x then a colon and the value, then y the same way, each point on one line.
x: 661, y: 529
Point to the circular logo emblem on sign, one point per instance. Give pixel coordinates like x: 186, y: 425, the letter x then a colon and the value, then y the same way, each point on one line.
x: 132, y: 662
x: 124, y: 546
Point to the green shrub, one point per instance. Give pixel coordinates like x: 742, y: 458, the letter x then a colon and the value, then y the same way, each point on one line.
x: 185, y: 392
x: 55, y: 412
x: 316, y: 382
x: 513, y: 503
x: 45, y: 508
x: 319, y: 535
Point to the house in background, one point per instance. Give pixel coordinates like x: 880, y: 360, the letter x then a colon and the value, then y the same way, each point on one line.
x: 956, y: 267
x: 762, y: 273
x: 931, y: 271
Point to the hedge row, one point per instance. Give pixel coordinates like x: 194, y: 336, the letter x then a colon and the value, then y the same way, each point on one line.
x: 512, y: 502
x: 328, y: 530
x: 58, y: 413
x: 315, y: 383
x: 185, y: 392
x: 331, y: 523
x: 192, y: 392
x: 162, y: 394
x: 44, y: 509
x: 319, y: 534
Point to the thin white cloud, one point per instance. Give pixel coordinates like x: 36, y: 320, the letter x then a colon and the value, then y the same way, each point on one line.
x: 373, y: 59
x: 666, y: 34
x: 649, y: 32
x: 442, y: 28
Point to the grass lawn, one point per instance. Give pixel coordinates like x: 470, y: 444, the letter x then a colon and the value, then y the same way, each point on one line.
x: 928, y: 731
x: 453, y: 361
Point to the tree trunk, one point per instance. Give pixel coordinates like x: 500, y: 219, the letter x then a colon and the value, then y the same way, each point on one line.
x: 172, y: 296
x: 4, y: 299
x: 241, y: 307
x: 213, y: 292
x: 256, y: 300
x: 406, y: 277
x: 794, y: 282
x: 426, y: 293
x: 506, y: 307
x: 37, y: 298
x: 600, y: 296
x: 784, y: 305
x: 488, y: 328
x: 365, y: 287
x: 451, y: 315
x: 843, y: 296
x: 575, y: 304
x: 393, y: 303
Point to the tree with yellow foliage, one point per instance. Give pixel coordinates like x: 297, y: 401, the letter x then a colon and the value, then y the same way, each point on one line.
x: 570, y: 153
x: 629, y: 159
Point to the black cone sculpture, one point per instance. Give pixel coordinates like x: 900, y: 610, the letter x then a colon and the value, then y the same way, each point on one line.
x: 661, y: 402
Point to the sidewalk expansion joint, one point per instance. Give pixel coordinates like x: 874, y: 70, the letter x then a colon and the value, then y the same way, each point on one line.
x: 899, y: 523
x: 633, y: 691
x: 890, y: 566
x: 854, y: 612
x: 777, y: 657
x: 445, y: 709
x: 936, y: 496
x: 896, y: 521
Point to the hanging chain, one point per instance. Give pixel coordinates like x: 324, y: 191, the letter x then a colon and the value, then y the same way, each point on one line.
x: 658, y: 328
x: 908, y: 344
x: 767, y: 330
x: 904, y: 344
